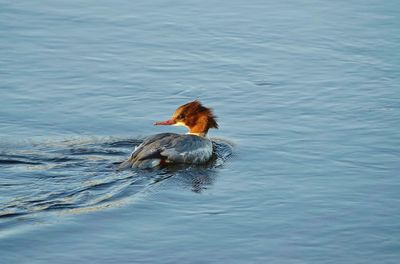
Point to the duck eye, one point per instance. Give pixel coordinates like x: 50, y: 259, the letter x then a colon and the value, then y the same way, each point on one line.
x: 181, y: 116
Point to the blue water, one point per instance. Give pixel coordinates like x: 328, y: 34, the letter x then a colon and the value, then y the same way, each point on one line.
x: 308, y: 99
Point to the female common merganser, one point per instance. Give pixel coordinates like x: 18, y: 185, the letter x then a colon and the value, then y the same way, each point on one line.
x: 192, y: 148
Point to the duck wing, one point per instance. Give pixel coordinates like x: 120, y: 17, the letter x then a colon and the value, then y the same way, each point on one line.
x: 170, y: 147
x: 188, y: 149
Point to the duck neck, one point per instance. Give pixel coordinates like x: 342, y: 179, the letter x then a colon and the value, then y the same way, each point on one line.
x: 200, y: 127
x: 197, y: 134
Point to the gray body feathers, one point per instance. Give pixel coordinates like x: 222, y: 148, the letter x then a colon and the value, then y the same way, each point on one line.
x: 170, y: 148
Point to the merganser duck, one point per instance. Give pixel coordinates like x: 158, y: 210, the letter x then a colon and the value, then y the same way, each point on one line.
x: 191, y: 148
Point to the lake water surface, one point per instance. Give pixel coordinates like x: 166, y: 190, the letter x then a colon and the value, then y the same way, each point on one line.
x: 308, y: 99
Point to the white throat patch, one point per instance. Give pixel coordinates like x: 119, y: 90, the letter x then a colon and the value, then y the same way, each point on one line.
x: 179, y: 124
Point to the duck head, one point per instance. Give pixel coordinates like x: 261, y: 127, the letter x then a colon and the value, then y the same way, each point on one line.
x: 196, y: 117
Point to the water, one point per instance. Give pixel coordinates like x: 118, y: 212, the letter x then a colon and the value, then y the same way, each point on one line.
x: 307, y: 93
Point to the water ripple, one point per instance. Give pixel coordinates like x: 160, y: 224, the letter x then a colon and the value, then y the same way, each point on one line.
x: 80, y: 175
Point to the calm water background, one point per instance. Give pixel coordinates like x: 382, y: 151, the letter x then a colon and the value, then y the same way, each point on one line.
x: 308, y: 91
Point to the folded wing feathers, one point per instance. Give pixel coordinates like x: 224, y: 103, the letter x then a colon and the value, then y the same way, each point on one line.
x: 173, y: 148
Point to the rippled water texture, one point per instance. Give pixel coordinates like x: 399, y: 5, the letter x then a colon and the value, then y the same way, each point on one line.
x: 81, y: 175
x: 307, y: 155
